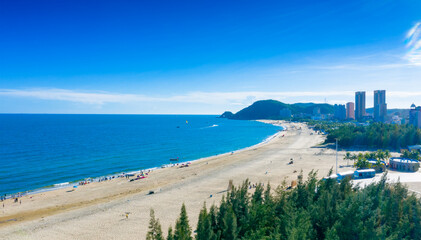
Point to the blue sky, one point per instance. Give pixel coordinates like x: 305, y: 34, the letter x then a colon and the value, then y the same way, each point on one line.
x: 204, y: 56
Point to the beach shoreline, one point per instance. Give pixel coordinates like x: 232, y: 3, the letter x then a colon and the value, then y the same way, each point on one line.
x: 72, y: 184
x: 96, y: 210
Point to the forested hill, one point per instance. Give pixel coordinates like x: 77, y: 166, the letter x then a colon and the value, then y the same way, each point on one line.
x: 270, y: 109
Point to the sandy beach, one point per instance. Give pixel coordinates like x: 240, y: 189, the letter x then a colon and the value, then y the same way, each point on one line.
x: 98, y: 210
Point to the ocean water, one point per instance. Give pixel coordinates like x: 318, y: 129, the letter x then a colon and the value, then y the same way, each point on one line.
x: 39, y: 150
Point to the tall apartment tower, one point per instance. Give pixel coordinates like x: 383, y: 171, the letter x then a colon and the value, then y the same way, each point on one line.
x: 339, y: 111
x: 359, y: 105
x: 415, y: 116
x: 380, y: 106
x: 350, y: 113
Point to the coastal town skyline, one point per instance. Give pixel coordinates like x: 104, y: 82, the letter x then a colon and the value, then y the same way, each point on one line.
x: 166, y: 59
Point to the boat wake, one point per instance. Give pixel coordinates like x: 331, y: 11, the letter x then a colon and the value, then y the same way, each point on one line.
x: 214, y: 125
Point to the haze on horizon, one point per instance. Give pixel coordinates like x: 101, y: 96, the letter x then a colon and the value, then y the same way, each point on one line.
x: 204, y: 57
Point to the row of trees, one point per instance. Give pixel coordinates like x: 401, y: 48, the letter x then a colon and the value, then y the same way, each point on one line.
x: 315, y: 209
x: 326, y: 126
x: 414, y: 154
x: 375, y: 135
x: 361, y: 160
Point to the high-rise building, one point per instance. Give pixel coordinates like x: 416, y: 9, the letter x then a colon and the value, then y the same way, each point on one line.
x: 359, y: 105
x: 350, y: 112
x: 415, y: 116
x: 339, y: 112
x: 380, y: 106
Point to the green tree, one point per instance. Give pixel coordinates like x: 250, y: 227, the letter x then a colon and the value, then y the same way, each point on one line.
x: 346, y: 226
x: 204, y: 227
x: 405, y: 154
x: 300, y: 226
x: 330, y: 210
x: 213, y: 218
x: 354, y: 157
x: 230, y: 226
x: 223, y: 208
x: 238, y: 200
x: 362, y: 161
x: 380, y: 155
x: 331, y: 234
x: 170, y: 235
x: 414, y: 154
x: 155, y: 231
x: 347, y: 157
x: 387, y: 154
x: 182, y: 227
x: 379, y: 135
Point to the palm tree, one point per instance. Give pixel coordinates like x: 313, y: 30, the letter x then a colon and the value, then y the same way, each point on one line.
x: 380, y: 155
x: 362, y: 161
x: 387, y: 154
x: 347, y: 157
x: 353, y: 158
x: 414, y: 154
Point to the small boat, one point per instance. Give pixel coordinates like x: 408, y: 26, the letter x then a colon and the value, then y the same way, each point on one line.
x: 174, y: 159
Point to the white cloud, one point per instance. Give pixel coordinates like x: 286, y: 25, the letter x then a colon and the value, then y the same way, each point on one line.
x: 413, y: 38
x: 99, y: 97
x: 413, y: 32
x: 209, y: 100
x: 72, y: 96
x: 364, y: 66
x: 401, y: 94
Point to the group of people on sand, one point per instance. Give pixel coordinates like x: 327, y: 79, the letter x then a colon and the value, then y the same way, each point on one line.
x: 16, y: 200
x: 103, y: 179
x: 141, y: 174
x: 122, y: 175
x: 14, y: 196
x: 17, y: 195
x: 254, y: 185
x: 184, y: 165
x: 84, y: 182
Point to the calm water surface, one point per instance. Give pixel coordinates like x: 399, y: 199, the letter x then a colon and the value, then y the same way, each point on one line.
x: 39, y: 150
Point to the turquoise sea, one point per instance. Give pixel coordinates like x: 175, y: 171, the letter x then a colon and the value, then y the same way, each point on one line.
x: 39, y: 150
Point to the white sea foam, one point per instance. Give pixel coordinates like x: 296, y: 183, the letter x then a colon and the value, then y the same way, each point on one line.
x: 61, y: 184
